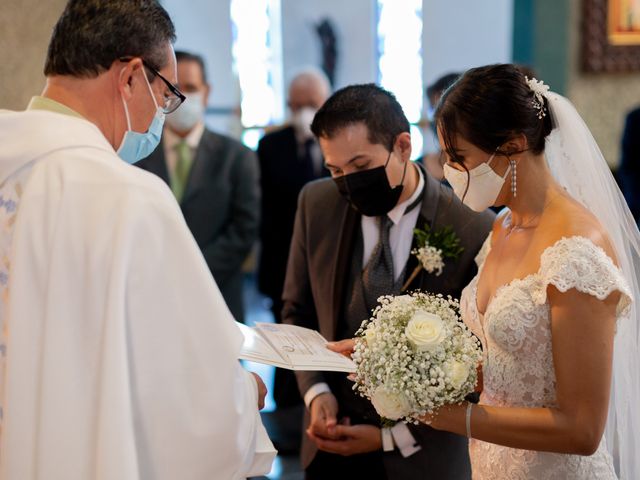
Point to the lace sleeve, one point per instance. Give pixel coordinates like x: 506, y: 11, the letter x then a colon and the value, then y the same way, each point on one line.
x: 484, y: 251
x: 577, y: 262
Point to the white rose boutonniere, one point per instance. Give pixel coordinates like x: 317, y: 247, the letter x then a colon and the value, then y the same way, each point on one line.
x: 434, y: 246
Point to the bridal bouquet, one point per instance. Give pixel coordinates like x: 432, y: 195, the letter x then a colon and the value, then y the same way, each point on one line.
x: 415, y: 355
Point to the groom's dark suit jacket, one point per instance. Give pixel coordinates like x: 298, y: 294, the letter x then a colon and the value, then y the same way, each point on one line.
x: 319, y: 282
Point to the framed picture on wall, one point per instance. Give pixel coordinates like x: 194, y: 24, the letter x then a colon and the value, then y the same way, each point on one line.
x: 624, y: 22
x: 611, y: 35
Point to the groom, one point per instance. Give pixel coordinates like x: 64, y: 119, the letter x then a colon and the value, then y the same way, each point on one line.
x: 352, y: 241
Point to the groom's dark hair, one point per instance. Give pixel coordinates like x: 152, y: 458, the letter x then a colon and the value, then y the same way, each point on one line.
x: 489, y: 106
x: 369, y: 104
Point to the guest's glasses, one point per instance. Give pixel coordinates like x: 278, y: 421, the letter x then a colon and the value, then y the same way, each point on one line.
x: 171, y: 102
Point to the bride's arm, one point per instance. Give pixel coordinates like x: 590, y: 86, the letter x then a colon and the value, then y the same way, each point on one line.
x: 582, y: 329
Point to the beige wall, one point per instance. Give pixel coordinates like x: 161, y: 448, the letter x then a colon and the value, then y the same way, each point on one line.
x: 25, y: 28
x: 602, y: 99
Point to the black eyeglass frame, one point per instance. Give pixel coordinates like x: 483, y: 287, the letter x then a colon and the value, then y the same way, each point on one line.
x: 172, y: 88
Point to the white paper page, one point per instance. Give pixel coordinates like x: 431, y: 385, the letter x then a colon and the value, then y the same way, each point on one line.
x: 303, y: 348
x: 257, y: 349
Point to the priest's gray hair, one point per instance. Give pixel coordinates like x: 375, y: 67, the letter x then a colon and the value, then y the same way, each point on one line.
x: 92, y: 34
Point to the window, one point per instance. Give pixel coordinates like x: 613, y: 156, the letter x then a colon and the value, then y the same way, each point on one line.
x: 400, y: 59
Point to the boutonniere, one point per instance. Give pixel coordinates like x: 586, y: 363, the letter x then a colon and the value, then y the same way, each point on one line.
x: 434, y: 246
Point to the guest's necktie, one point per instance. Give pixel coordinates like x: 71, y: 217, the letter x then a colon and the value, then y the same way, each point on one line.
x: 378, y: 277
x: 184, y: 159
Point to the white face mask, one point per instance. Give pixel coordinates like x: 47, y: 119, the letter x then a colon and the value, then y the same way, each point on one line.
x: 484, y: 185
x: 301, y: 121
x: 189, y: 114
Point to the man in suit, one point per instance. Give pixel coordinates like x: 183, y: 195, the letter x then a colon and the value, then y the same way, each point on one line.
x: 214, y: 179
x: 351, y: 243
x: 432, y: 158
x: 629, y: 172
x: 289, y: 158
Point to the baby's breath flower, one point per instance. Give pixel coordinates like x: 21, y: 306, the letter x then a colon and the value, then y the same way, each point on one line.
x: 430, y: 258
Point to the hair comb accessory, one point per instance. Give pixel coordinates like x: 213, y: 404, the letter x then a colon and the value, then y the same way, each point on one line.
x: 539, y: 90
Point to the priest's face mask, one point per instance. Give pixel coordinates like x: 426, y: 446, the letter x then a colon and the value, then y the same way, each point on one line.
x: 146, y: 95
x: 368, y: 175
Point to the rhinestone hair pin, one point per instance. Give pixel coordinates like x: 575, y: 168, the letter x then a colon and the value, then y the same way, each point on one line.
x: 539, y: 90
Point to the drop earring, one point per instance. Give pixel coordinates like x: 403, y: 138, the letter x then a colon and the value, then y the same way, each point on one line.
x: 514, y: 190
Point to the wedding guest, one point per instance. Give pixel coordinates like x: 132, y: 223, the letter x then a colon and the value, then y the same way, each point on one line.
x: 432, y: 158
x: 118, y: 355
x: 629, y: 171
x: 352, y: 241
x: 214, y: 179
x: 289, y: 159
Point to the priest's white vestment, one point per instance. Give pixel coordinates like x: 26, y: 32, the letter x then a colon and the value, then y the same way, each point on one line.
x: 119, y: 353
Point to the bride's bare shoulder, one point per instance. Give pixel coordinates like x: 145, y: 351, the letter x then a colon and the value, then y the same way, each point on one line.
x: 569, y: 218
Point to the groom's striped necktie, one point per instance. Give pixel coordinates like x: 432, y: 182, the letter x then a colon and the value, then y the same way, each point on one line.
x: 378, y: 276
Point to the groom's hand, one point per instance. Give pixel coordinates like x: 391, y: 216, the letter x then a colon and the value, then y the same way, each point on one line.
x: 323, y: 411
x: 262, y: 390
x: 344, y: 347
x: 351, y: 440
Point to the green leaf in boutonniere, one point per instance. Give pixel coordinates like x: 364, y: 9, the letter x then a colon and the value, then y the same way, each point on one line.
x: 434, y: 246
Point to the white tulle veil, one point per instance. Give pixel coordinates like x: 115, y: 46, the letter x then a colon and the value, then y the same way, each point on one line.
x: 579, y: 166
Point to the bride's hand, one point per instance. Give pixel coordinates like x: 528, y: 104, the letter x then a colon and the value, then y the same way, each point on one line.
x: 344, y: 347
x: 444, y: 417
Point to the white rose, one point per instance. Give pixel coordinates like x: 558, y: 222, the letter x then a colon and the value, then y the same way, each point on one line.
x: 370, y: 335
x: 457, y: 372
x: 425, y: 330
x: 390, y: 405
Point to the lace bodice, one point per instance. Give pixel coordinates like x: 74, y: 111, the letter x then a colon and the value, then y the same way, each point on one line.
x: 518, y: 365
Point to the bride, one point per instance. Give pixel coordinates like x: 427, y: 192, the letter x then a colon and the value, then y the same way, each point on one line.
x: 552, y: 301
x: 555, y: 282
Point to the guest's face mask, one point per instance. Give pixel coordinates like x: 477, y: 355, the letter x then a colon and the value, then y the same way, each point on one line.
x: 369, y: 191
x: 301, y: 121
x: 189, y: 113
x: 484, y: 185
x: 135, y: 146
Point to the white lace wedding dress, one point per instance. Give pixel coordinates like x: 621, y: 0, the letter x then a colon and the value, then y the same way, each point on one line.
x: 518, y: 366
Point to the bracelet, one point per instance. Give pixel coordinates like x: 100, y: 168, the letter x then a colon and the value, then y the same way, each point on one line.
x: 468, y: 419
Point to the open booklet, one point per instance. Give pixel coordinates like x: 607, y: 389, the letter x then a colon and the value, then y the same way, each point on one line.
x: 291, y: 347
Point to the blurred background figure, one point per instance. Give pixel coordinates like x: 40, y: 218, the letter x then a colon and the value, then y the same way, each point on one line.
x: 289, y: 159
x: 629, y: 171
x: 431, y: 159
x: 214, y: 179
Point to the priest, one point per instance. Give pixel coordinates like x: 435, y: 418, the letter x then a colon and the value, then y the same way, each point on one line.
x: 118, y: 355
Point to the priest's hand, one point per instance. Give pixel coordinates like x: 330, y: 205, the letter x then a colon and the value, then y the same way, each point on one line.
x: 353, y: 439
x: 344, y: 347
x: 323, y: 411
x: 262, y: 390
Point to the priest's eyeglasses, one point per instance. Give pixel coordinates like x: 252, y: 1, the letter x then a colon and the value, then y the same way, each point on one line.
x: 172, y: 101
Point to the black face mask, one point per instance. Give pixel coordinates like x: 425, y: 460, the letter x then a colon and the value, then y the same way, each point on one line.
x: 369, y: 191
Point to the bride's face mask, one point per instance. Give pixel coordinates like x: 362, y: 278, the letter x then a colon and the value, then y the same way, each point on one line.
x: 479, y: 187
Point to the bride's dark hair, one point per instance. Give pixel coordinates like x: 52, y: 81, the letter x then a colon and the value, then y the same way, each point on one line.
x: 488, y: 106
